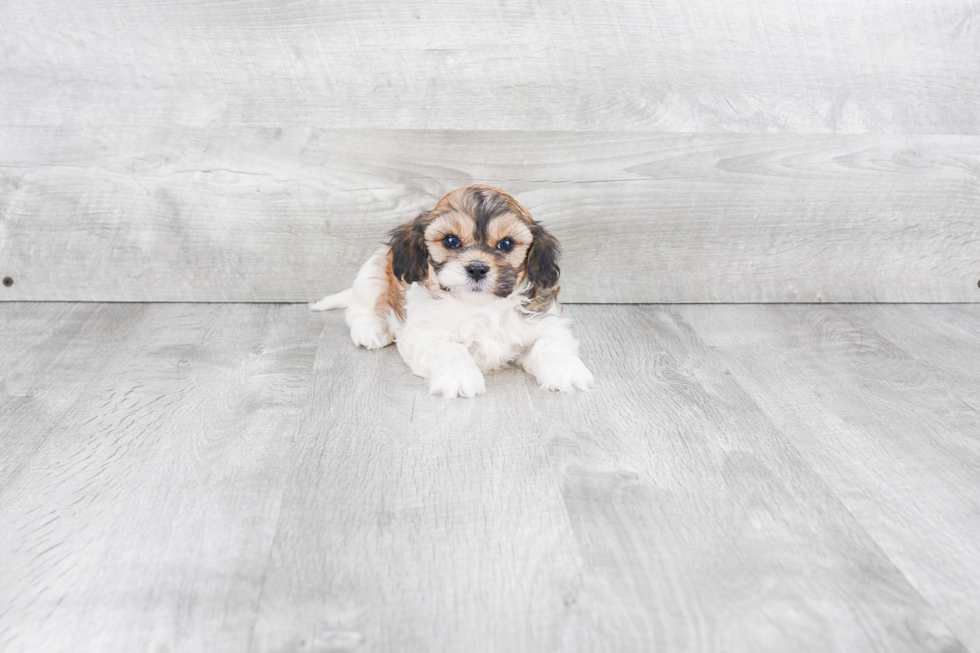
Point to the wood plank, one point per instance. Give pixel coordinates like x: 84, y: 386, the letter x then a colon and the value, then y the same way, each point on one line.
x: 50, y: 353
x: 288, y: 214
x: 701, y: 529
x: 946, y: 338
x: 758, y: 66
x: 144, y: 519
x: 242, y: 478
x: 414, y: 523
x: 892, y: 432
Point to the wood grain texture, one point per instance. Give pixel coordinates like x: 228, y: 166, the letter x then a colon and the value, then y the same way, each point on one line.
x: 883, y: 404
x: 756, y: 66
x: 743, y: 478
x: 288, y: 214
x: 50, y: 354
x: 250, y: 150
x: 144, y: 517
x: 701, y: 527
x: 422, y: 524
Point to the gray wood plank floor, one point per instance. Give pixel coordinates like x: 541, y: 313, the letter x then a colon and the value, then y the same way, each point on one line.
x: 201, y: 477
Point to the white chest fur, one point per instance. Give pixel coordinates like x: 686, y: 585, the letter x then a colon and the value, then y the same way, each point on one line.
x: 493, y: 332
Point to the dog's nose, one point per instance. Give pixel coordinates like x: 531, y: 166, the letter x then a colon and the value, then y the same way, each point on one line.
x: 477, y: 270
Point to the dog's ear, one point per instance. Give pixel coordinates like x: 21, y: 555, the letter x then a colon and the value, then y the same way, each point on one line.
x: 542, y: 258
x: 409, y: 256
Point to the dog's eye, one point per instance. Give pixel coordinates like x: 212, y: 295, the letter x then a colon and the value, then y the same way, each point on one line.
x: 451, y: 242
x: 505, y: 245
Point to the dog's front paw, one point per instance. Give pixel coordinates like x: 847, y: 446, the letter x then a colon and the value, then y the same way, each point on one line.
x: 370, y: 333
x: 564, y: 375
x: 457, y: 380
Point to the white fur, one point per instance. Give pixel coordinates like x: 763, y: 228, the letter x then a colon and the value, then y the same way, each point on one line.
x: 453, y: 275
x: 340, y: 300
x: 451, y: 339
x: 367, y: 329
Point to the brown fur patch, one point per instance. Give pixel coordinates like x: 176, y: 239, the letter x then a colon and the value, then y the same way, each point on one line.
x: 448, y: 224
x: 508, y: 225
x: 392, y: 301
x: 471, y: 199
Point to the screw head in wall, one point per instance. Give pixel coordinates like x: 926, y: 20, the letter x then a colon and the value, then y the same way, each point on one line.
x: 8, y: 281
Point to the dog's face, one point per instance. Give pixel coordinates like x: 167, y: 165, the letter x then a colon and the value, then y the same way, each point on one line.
x: 478, y: 243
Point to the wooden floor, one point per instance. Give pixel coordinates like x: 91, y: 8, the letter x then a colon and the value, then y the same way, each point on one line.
x: 227, y: 477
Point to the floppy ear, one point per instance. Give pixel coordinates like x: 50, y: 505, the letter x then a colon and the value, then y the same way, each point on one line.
x: 542, y: 258
x: 409, y: 257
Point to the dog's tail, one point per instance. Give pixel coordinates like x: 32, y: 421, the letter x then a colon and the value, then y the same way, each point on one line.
x: 340, y: 300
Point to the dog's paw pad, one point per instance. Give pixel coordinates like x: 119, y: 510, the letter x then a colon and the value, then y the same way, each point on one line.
x: 565, y: 375
x: 457, y: 381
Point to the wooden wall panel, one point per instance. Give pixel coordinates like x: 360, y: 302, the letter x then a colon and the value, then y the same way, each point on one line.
x: 761, y: 150
x: 287, y: 214
x: 751, y: 66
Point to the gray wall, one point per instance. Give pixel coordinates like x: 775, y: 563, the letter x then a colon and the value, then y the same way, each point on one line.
x: 706, y: 150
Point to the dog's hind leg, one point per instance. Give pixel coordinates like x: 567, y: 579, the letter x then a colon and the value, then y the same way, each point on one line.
x: 367, y: 312
x: 340, y: 300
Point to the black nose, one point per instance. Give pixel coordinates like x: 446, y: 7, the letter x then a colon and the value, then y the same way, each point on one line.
x: 477, y: 270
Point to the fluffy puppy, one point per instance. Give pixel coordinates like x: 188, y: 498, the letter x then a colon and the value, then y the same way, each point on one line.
x: 468, y: 286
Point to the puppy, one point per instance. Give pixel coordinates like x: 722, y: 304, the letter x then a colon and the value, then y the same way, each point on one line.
x: 469, y: 286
